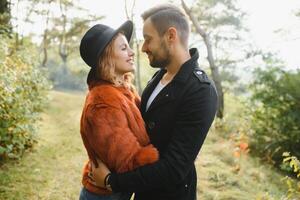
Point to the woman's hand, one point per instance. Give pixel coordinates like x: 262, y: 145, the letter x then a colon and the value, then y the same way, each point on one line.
x: 99, y: 173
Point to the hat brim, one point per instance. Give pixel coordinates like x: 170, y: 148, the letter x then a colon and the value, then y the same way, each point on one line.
x: 126, y: 28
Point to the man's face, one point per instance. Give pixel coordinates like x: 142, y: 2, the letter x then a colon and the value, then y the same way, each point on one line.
x: 155, y: 46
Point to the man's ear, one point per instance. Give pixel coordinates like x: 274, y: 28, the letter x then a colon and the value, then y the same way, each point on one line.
x: 171, y: 34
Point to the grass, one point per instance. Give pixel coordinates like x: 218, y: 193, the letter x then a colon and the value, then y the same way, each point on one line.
x: 224, y: 176
x: 52, y: 170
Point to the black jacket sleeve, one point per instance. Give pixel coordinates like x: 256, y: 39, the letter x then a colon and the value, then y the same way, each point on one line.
x: 195, y: 117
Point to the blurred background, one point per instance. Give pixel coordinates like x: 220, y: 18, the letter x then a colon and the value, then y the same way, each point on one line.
x: 249, y: 48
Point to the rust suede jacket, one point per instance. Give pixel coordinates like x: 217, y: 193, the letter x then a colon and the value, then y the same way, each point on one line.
x: 113, y: 130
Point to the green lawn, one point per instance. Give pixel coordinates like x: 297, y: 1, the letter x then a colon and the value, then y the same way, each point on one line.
x: 52, y: 170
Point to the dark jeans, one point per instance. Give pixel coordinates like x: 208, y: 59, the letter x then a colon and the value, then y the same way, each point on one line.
x: 86, y: 195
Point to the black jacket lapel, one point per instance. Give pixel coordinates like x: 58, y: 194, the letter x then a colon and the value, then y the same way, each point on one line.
x: 149, y: 88
x: 164, y: 96
x: 168, y: 93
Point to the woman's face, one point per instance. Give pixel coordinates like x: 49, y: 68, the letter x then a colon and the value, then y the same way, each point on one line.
x: 123, y: 56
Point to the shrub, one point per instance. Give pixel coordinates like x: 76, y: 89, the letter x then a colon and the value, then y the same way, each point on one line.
x: 23, y: 88
x: 292, y: 164
x: 276, y: 113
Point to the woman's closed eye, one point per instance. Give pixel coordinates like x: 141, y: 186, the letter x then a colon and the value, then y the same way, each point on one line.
x: 124, y: 47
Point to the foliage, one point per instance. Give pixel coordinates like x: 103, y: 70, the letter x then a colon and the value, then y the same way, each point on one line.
x: 276, y: 113
x: 223, y: 22
x: 5, y: 26
x: 22, y: 96
x: 61, y: 38
x: 219, y: 13
x: 63, y: 30
x: 294, y: 165
x: 53, y: 170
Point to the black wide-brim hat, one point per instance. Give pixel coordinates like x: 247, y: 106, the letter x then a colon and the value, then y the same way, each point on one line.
x: 97, y: 38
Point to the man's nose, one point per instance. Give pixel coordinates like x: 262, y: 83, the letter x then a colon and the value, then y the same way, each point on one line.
x: 144, y: 48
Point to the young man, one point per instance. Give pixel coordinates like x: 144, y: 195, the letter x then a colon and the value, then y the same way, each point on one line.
x: 178, y: 106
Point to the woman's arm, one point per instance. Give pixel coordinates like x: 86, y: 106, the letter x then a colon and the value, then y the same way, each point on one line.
x: 113, y: 142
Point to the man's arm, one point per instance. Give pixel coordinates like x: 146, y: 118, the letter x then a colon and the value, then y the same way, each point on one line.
x: 195, y: 118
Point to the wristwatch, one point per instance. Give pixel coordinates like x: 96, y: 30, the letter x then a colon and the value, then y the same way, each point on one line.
x: 106, y: 182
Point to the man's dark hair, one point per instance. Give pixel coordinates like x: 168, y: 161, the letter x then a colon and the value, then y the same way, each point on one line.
x: 165, y: 16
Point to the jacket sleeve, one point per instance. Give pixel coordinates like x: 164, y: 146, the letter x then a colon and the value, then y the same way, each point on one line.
x: 195, y: 117
x: 113, y: 142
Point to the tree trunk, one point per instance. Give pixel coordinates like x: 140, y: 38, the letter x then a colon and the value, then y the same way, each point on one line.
x: 214, y: 69
x: 137, y: 81
x: 62, y: 42
x: 45, y: 45
x: 45, y: 41
x: 138, y: 69
x: 62, y: 38
x: 62, y: 53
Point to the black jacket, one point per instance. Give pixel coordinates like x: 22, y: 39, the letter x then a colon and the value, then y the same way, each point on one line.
x: 177, y: 122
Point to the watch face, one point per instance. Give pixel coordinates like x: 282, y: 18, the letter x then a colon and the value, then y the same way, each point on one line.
x: 106, y: 182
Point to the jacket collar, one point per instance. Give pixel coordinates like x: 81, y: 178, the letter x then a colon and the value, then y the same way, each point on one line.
x: 187, y: 68
x: 167, y: 94
x: 95, y: 83
x: 184, y: 72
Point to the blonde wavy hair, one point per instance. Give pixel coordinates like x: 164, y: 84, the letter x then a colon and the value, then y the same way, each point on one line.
x: 106, y: 68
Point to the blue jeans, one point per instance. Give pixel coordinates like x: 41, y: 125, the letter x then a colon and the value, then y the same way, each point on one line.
x: 86, y: 195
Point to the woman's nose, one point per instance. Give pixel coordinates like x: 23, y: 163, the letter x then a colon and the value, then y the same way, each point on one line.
x: 131, y: 52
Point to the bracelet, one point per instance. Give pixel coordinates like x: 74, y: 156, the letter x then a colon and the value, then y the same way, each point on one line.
x: 106, y: 179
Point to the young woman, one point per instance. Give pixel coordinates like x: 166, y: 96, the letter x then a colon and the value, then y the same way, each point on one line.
x: 112, y: 127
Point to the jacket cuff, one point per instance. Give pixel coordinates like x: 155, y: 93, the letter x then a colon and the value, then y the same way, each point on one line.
x: 113, y: 182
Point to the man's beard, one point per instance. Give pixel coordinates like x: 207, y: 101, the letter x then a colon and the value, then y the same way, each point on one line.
x: 161, y: 62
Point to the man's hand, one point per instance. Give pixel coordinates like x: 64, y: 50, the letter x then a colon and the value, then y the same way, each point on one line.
x: 99, y: 173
